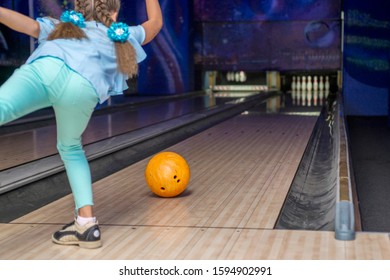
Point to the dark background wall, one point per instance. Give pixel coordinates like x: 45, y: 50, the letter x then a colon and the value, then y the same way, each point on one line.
x: 169, y: 68
x: 279, y: 35
x: 366, y: 57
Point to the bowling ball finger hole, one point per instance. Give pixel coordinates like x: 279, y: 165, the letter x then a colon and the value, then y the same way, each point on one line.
x: 162, y: 188
x: 175, y: 177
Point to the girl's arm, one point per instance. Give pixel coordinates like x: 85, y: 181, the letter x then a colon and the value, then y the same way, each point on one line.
x: 155, y: 21
x: 19, y: 22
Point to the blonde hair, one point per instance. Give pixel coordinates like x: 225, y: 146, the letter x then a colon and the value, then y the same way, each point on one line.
x: 100, y: 11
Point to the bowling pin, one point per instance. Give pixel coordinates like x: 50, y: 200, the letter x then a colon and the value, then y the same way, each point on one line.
x: 315, y: 98
x: 303, y: 84
x: 293, y: 84
x: 327, y: 84
x: 321, y: 96
x: 315, y: 83
x: 232, y: 76
x: 237, y: 77
x: 298, y: 84
x: 293, y: 96
x: 309, y: 97
x: 303, y: 98
x: 298, y: 97
x: 309, y: 85
x: 242, y: 76
x: 321, y: 84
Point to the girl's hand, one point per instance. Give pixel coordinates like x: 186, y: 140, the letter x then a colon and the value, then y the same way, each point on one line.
x: 155, y: 21
x: 19, y: 22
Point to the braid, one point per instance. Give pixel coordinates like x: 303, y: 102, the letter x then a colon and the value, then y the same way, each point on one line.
x: 126, y: 58
x: 80, y: 6
x: 103, y: 13
x: 125, y: 53
x: 84, y: 7
x: 67, y: 30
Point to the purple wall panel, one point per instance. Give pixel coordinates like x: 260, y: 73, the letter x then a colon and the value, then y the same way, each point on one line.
x: 280, y: 45
x: 255, y: 10
x: 272, y: 34
x: 14, y: 47
x: 168, y: 68
x: 366, y: 58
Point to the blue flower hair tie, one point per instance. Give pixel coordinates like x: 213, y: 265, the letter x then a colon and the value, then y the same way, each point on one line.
x: 73, y: 17
x: 118, y: 32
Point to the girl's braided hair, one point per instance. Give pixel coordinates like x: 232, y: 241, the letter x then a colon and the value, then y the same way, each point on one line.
x: 101, y: 11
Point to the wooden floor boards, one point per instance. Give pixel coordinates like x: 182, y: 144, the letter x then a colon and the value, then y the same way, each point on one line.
x: 241, y: 171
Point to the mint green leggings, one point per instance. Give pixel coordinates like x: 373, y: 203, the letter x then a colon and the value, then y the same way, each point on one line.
x: 49, y: 82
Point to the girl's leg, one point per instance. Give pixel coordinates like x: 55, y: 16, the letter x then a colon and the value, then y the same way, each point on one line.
x: 49, y: 82
x: 73, y: 99
x: 22, y: 94
x: 73, y: 107
x: 73, y: 110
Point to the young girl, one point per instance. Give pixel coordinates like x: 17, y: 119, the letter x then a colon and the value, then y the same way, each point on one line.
x: 81, y: 59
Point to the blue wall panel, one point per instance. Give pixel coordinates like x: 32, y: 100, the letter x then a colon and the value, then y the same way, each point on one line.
x: 14, y: 47
x: 264, y: 35
x: 280, y: 45
x: 169, y: 66
x: 366, y: 57
x: 255, y: 10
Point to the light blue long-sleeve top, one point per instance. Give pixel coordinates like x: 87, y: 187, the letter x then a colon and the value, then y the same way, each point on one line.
x: 93, y: 58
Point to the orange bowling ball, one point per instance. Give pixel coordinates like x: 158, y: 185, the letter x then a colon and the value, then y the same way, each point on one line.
x: 167, y: 174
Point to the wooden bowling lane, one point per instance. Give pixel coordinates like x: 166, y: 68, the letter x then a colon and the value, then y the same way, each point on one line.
x: 25, y: 146
x: 150, y: 243
x: 241, y: 173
